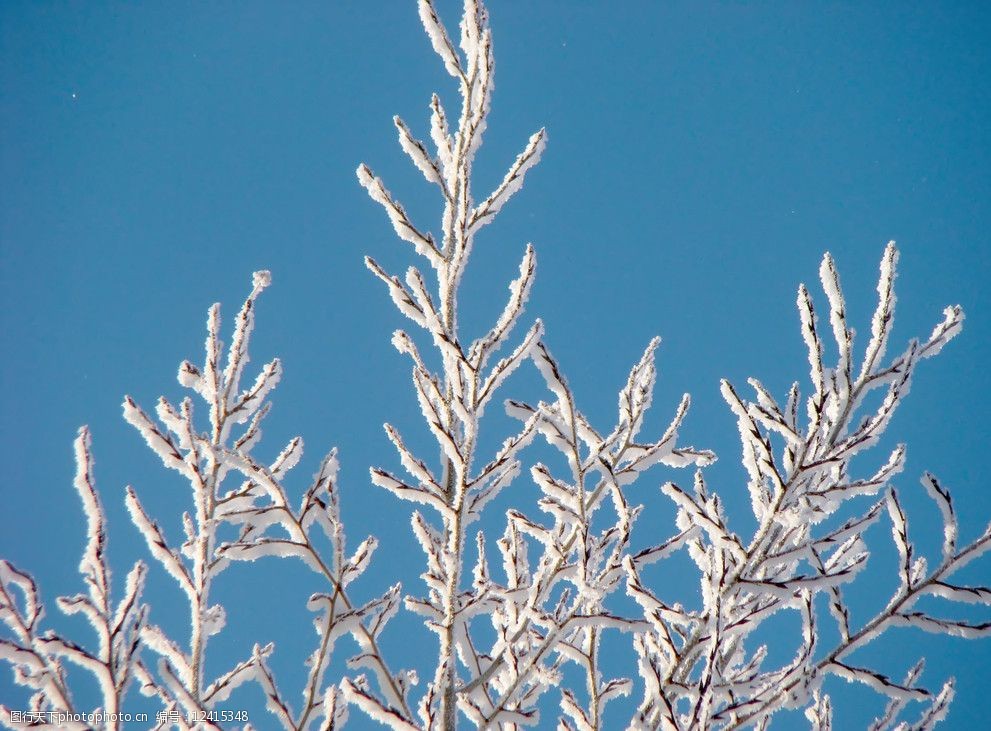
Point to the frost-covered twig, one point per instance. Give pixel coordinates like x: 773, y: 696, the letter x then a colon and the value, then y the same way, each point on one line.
x: 453, y: 399
x: 791, y: 494
x: 569, y: 623
x: 37, y: 657
x: 914, y: 585
x: 266, y: 524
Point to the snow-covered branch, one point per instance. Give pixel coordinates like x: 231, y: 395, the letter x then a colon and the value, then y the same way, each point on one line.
x: 267, y: 524
x: 453, y: 399
x: 525, y: 605
x: 794, y: 491
x: 38, y: 657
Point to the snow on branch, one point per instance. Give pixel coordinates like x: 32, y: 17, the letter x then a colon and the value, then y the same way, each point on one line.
x: 566, y: 575
x: 38, y: 658
x: 690, y: 656
x: 453, y: 400
x: 259, y: 508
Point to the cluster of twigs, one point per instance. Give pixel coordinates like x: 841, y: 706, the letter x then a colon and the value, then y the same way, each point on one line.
x: 554, y: 598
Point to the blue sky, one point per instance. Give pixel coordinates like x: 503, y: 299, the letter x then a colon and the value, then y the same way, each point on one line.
x: 701, y: 158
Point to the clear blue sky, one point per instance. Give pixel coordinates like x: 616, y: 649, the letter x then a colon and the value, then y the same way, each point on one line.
x: 701, y: 158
